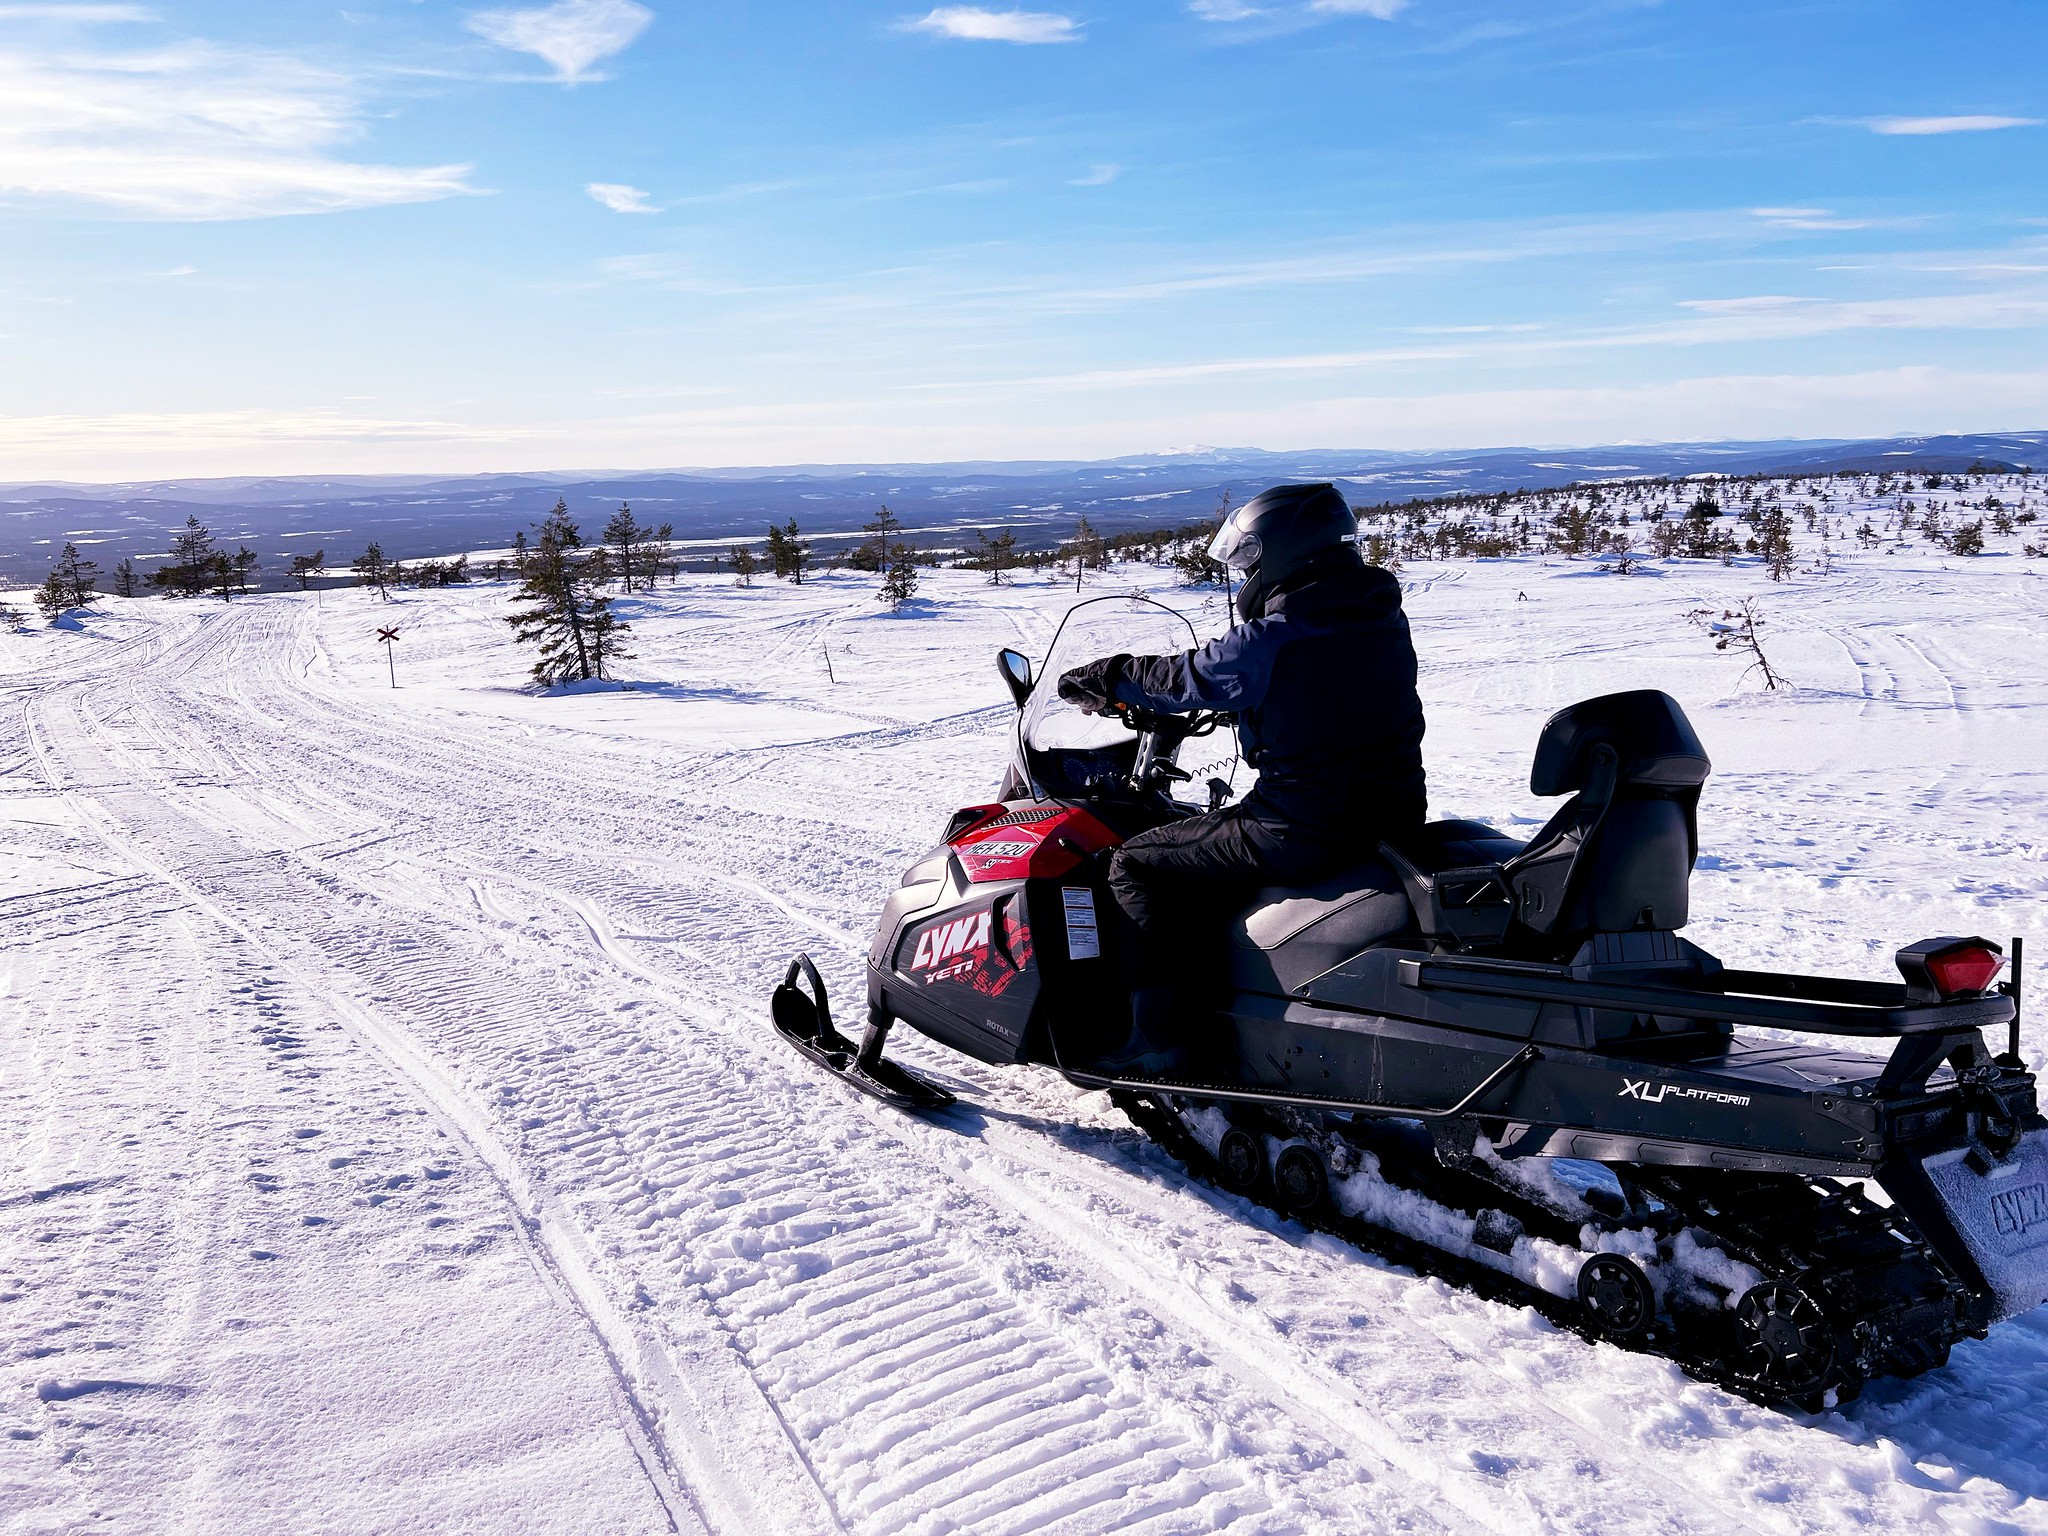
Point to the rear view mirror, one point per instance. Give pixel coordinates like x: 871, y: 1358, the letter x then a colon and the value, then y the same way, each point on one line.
x: 1016, y: 670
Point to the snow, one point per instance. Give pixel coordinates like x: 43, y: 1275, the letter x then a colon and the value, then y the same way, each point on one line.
x: 391, y: 1138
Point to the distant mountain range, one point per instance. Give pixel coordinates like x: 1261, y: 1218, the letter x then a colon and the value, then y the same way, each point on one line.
x: 415, y: 516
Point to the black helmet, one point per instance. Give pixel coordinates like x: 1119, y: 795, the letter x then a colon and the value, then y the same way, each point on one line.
x: 1279, y: 532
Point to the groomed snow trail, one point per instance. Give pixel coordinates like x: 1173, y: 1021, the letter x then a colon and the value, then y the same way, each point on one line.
x: 537, y: 934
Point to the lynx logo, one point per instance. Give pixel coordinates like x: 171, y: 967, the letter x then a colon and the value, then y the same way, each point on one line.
x: 2015, y: 1210
x: 1658, y: 1093
x: 939, y: 948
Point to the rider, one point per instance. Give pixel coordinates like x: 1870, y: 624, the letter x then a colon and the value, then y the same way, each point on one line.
x: 1320, y: 674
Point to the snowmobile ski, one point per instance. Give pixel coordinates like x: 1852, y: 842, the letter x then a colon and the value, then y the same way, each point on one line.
x: 804, y: 1019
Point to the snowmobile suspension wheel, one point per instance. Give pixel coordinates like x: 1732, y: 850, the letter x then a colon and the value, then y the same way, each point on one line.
x: 1617, y: 1296
x: 1300, y: 1179
x: 1784, y: 1341
x: 1241, y: 1159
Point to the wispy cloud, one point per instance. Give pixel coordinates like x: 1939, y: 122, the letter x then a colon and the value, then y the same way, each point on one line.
x: 619, y: 197
x: 1808, y: 218
x: 1383, y: 10
x: 1293, y: 15
x: 1097, y: 176
x: 193, y: 131
x: 570, y: 36
x: 1919, y: 126
x: 974, y: 24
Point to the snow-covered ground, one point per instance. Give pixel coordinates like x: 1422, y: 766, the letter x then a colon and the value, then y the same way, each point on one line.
x: 391, y: 1138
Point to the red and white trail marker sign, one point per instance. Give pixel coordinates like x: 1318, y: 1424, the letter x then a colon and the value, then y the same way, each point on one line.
x: 389, y: 636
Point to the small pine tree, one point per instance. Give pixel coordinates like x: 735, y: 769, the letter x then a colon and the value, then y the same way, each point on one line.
x: 53, y: 596
x: 875, y: 551
x: 1773, y: 543
x: 1968, y: 539
x: 305, y: 567
x: 997, y: 556
x: 795, y: 554
x: 11, y: 616
x: 899, y: 585
x: 189, y: 571
x: 373, y: 570
x: 124, y: 578
x: 240, y: 565
x: 625, y: 542
x: 744, y: 563
x: 568, y: 617
x: 75, y: 576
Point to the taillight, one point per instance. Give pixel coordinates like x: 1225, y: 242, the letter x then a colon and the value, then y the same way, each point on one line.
x: 1938, y: 970
x: 1964, y: 970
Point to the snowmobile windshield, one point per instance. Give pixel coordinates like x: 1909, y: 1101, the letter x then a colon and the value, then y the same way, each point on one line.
x: 1068, y: 754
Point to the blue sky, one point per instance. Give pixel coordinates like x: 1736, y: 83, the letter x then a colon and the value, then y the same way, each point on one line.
x: 404, y: 235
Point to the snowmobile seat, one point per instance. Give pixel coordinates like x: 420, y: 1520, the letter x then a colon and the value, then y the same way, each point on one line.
x: 1451, y: 872
x: 1289, y: 935
x: 1617, y: 857
x: 1292, y: 934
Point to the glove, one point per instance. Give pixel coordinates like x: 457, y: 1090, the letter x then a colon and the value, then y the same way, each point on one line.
x: 1093, y: 687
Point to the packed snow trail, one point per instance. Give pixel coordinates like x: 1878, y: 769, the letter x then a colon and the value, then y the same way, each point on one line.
x: 542, y: 931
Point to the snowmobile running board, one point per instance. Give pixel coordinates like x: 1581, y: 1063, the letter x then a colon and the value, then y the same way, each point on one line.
x: 805, y: 1021
x: 1514, y: 1063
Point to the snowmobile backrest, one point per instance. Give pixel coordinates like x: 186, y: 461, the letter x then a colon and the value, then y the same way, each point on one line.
x: 1653, y: 742
x: 1618, y: 856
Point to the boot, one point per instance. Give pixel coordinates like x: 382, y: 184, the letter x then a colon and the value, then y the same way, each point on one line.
x: 1152, y: 1049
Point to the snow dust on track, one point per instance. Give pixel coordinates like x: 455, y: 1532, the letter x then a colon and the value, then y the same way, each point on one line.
x: 546, y: 928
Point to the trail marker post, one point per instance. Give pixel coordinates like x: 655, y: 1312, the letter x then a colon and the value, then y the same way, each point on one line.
x: 389, y: 637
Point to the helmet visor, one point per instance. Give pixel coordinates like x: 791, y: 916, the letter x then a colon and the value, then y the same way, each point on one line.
x: 1235, y: 546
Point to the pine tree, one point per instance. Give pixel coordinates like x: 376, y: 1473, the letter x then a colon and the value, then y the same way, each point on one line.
x: 373, y: 570
x: 626, y: 541
x: 997, y: 556
x: 874, y: 552
x: 899, y: 586
x: 305, y: 567
x: 744, y: 564
x: 569, y: 617
x: 190, y: 569
x: 124, y: 578
x: 10, y: 616
x: 75, y: 576
x: 791, y: 553
x: 53, y: 596
x: 243, y: 562
x: 1773, y: 543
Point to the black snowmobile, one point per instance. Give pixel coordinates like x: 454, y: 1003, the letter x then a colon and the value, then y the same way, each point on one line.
x: 1496, y: 1060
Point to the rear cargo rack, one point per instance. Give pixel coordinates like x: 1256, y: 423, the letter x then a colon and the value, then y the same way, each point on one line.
x: 1764, y: 999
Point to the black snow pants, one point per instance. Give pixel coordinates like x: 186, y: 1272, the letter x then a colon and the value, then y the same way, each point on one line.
x: 1179, y: 885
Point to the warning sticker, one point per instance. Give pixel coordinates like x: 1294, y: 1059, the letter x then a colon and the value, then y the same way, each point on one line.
x: 1083, y: 941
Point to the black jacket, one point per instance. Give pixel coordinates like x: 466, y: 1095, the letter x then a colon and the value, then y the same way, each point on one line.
x: 1323, y: 687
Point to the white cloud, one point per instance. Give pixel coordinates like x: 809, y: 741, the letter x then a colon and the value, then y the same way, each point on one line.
x: 192, y: 132
x: 977, y: 25
x: 1383, y: 10
x: 1917, y: 126
x: 1243, y: 10
x: 571, y: 36
x: 1808, y: 218
x: 1098, y: 176
x: 620, y: 198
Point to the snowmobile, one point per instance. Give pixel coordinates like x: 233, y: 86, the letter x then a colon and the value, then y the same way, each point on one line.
x: 1496, y: 1060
